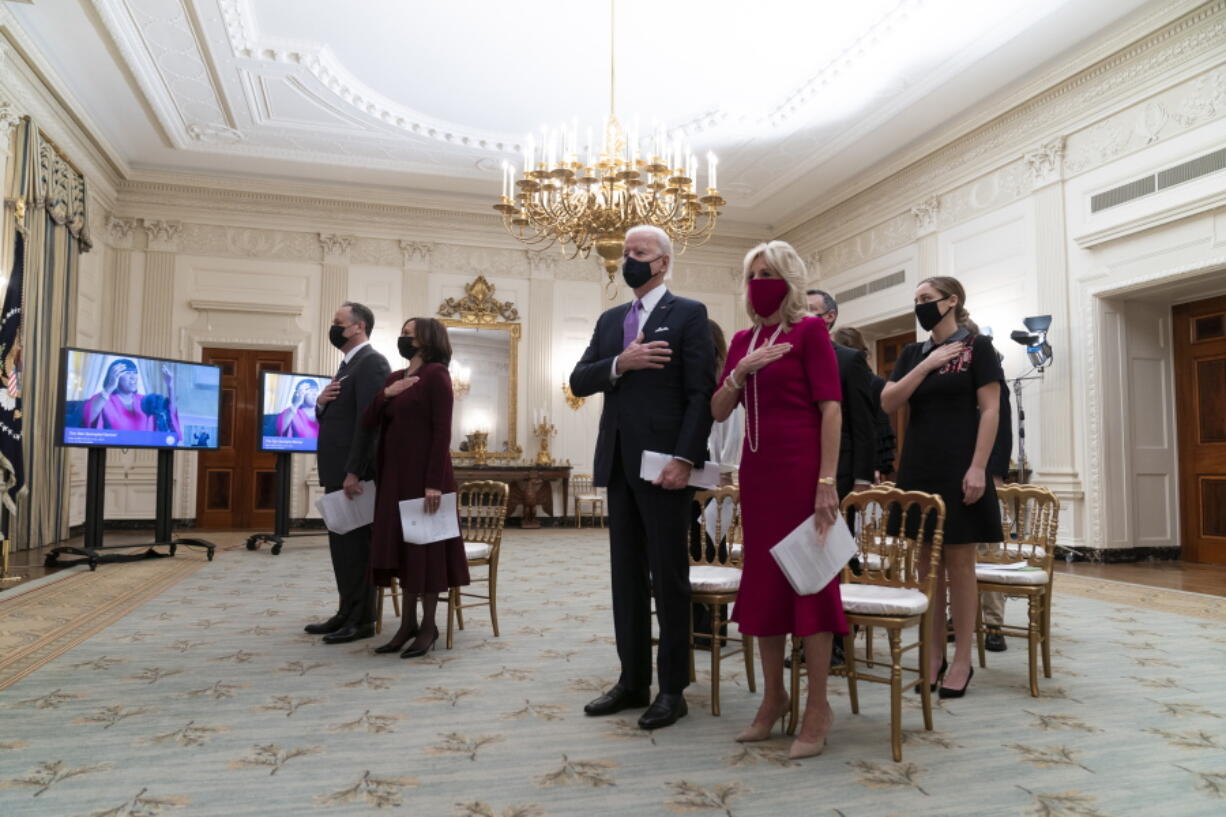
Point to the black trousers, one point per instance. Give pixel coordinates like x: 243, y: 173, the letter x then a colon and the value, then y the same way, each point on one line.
x: 648, y: 528
x: 351, y: 564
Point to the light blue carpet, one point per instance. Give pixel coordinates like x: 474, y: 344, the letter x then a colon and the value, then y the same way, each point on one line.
x: 209, y: 700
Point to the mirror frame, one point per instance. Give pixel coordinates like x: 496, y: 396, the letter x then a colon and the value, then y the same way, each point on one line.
x: 479, y: 310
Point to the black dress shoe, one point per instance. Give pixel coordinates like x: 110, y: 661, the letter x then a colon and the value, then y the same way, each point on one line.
x: 940, y: 675
x: 950, y: 692
x: 994, y: 641
x: 664, y: 711
x: 349, y: 633
x: 324, y: 627
x: 418, y: 652
x: 617, y: 699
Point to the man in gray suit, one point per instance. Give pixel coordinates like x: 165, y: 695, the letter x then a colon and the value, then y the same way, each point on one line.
x: 345, y: 455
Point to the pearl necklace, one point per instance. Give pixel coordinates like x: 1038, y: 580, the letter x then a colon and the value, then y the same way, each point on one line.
x: 756, y: 437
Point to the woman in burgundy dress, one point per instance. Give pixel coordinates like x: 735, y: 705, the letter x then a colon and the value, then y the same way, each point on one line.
x: 413, y: 414
x: 785, y: 374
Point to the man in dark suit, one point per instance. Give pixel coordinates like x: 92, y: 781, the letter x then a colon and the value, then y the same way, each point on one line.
x: 654, y: 362
x: 858, y: 446
x: 345, y: 454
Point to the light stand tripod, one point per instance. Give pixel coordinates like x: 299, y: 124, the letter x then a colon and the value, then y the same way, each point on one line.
x: 1023, y: 472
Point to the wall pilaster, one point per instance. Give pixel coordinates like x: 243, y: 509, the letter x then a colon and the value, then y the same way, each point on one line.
x: 333, y: 291
x: 157, y: 307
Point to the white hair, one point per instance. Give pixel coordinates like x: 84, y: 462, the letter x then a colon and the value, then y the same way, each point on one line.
x: 663, y: 242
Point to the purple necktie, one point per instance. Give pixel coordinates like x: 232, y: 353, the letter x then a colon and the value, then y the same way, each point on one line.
x: 630, y: 325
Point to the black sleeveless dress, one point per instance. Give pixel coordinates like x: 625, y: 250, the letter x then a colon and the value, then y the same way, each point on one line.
x: 941, y: 432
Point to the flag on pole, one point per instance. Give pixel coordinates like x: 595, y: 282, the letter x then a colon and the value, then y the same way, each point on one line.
x: 12, y: 465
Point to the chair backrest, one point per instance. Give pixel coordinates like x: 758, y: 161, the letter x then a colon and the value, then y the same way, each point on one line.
x: 1029, y: 519
x: 718, y: 523
x: 581, y: 484
x: 483, y: 511
x: 890, y: 527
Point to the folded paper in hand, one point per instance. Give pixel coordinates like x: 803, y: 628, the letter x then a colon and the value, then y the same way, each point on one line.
x: 810, y: 564
x: 421, y: 528
x: 653, y: 463
x: 342, y: 514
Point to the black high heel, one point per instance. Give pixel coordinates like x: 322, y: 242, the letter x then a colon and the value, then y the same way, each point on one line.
x: 949, y: 692
x: 418, y: 652
x: 940, y: 675
x: 393, y: 646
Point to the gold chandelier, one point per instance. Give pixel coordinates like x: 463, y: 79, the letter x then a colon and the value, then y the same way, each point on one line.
x: 591, y: 200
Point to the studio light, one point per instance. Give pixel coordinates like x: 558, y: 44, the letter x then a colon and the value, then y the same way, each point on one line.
x: 1035, y: 340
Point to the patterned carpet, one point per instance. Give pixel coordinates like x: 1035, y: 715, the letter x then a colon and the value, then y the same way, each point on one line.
x: 207, y: 699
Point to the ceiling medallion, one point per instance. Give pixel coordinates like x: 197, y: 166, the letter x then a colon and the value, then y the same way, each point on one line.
x: 590, y: 201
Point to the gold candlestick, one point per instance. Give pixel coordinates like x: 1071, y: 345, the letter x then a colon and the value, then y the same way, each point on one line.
x: 477, y: 446
x: 543, y: 431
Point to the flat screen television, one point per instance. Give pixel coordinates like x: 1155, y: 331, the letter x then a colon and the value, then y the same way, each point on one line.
x: 133, y: 401
x: 287, y: 411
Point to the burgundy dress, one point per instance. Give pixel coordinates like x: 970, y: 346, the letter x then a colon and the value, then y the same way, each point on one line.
x: 414, y: 454
x: 779, y: 480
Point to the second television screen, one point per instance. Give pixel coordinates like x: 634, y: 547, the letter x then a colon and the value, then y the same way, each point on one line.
x: 287, y: 411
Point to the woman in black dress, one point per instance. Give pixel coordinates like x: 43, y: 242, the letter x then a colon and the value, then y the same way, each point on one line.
x: 951, y: 382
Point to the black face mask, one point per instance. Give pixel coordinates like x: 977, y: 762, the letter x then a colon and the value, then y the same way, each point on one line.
x: 635, y: 272
x: 929, y: 314
x: 336, y: 336
x: 406, y: 348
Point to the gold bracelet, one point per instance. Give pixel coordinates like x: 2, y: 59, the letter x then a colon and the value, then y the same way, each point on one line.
x: 826, y: 481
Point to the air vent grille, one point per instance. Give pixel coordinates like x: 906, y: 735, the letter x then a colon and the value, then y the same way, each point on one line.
x: 876, y: 285
x: 1163, y: 179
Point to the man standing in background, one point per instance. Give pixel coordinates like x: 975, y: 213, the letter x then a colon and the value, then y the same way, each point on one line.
x: 345, y: 455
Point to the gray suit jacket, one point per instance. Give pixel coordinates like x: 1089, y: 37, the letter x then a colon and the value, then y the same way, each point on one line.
x: 345, y: 447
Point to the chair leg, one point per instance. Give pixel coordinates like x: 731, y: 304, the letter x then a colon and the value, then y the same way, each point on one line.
x: 493, y: 569
x: 453, y: 601
x: 394, y: 589
x: 849, y: 658
x: 747, y: 648
x: 1047, y: 633
x: 896, y: 694
x: 925, y: 651
x: 868, y: 646
x: 794, y: 706
x: 979, y: 640
x: 1033, y: 644
x: 459, y: 613
x: 379, y: 610
x: 716, y: 655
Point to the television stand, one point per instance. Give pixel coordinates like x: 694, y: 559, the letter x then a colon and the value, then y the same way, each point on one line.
x: 95, y: 495
x: 281, y: 520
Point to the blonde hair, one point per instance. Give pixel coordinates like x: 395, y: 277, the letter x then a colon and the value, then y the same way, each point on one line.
x: 783, y: 260
x: 947, y: 285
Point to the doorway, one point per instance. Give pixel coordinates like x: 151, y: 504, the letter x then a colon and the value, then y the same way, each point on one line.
x: 1200, y: 409
x: 888, y: 350
x: 236, y: 483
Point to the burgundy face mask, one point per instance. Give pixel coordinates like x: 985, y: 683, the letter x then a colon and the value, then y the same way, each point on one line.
x: 766, y: 295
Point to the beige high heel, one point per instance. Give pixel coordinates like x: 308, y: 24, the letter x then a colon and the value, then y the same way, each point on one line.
x: 758, y: 731
x: 803, y: 748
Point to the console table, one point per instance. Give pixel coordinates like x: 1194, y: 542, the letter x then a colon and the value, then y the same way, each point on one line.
x: 531, y: 485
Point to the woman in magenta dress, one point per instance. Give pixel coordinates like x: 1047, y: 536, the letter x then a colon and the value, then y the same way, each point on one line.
x: 413, y: 414
x: 121, y: 407
x: 299, y: 419
x: 785, y: 373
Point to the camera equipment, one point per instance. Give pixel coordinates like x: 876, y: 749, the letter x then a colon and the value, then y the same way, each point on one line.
x: 1035, y: 340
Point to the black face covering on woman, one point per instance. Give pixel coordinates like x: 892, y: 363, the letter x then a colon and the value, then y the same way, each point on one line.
x: 929, y: 314
x: 336, y: 336
x: 635, y: 272
x: 406, y: 348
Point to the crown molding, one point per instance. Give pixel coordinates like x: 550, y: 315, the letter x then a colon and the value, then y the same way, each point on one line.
x: 253, y: 308
x: 958, y: 150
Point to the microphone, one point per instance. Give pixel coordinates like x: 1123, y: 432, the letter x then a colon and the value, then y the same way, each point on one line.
x: 157, y: 407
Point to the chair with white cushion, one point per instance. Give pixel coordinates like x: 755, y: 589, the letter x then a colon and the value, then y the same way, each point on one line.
x: 1022, y: 568
x: 483, y: 513
x: 893, y: 592
x: 585, y: 494
x: 715, y: 578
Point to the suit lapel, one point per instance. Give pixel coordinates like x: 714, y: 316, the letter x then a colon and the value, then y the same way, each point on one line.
x: 657, y: 316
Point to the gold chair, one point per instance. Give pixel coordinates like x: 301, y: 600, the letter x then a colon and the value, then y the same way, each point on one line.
x: 893, y: 591
x: 483, y: 514
x: 715, y: 577
x: 1022, y: 568
x: 383, y: 592
x: 585, y: 494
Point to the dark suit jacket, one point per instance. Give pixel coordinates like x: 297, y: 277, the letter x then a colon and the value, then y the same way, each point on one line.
x: 887, y: 443
x: 858, y: 444
x: 1002, y: 448
x: 666, y: 410
x: 345, y: 446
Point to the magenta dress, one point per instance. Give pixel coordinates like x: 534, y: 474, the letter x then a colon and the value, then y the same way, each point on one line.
x: 298, y: 423
x: 779, y: 480
x: 119, y: 417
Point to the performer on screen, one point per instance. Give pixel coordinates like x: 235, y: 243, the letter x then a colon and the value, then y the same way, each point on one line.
x: 121, y: 407
x: 299, y: 419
